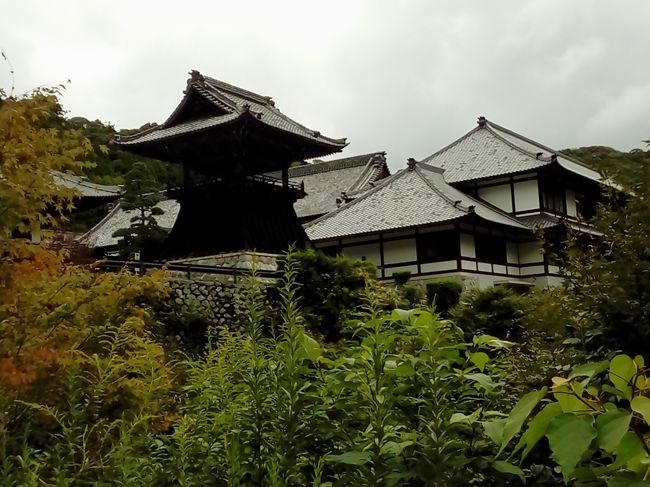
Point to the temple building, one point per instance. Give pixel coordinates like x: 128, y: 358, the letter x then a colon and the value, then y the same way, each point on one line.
x: 471, y: 210
x: 228, y: 140
x: 327, y: 185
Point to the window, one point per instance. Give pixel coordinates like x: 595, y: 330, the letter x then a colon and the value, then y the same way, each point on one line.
x: 490, y: 248
x: 552, y: 198
x: 438, y: 246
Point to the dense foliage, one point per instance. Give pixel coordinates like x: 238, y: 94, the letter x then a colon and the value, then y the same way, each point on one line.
x: 111, y: 164
x: 141, y: 196
x: 331, y: 288
x: 609, y: 276
x: 93, y: 393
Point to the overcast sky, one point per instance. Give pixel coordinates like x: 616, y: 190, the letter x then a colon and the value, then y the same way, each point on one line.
x: 407, y: 77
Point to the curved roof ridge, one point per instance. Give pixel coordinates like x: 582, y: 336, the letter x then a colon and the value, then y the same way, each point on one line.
x: 236, y: 90
x: 534, y: 142
x: 478, y: 203
x: 384, y: 182
x: 516, y: 147
x: 449, y: 146
x: 215, y: 97
x: 370, y: 171
x: 315, y: 133
x: 429, y: 183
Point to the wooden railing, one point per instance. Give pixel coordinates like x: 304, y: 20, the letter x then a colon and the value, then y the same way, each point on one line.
x: 188, y: 269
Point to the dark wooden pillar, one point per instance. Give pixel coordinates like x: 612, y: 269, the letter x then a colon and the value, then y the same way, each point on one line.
x: 285, y: 175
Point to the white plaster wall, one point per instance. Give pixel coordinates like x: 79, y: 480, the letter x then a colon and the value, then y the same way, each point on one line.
x: 512, y: 253
x: 499, y: 196
x: 526, y: 195
x: 397, y: 251
x: 571, y: 208
x: 530, y: 252
x: 447, y: 265
x: 467, y: 246
x: 369, y: 251
x: 533, y: 269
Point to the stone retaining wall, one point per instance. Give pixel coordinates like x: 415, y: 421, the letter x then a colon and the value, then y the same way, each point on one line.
x: 216, y: 300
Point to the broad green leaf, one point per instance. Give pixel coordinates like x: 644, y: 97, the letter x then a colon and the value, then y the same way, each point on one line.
x: 611, y: 427
x: 405, y: 369
x: 423, y: 319
x: 494, y: 430
x: 400, y: 315
x: 627, y: 480
x: 641, y: 405
x: 568, y: 399
x: 518, y: 415
x: 491, y: 342
x: 629, y: 453
x: 311, y: 347
x: 569, y: 437
x: 537, y: 428
x: 479, y: 359
x: 589, y: 370
x: 465, y: 418
x: 621, y: 371
x: 350, y: 458
x: 507, y: 467
x: 484, y: 380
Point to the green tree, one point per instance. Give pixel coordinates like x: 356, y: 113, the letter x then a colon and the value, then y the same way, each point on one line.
x: 141, y: 196
x: 608, y: 277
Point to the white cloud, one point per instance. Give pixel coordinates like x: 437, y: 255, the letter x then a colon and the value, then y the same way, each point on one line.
x: 404, y: 77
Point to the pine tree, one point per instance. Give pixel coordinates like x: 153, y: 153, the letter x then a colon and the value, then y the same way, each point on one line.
x: 141, y: 195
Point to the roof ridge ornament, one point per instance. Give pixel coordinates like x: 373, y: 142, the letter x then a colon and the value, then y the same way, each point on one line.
x: 481, y: 121
x: 196, y: 76
x: 411, y: 163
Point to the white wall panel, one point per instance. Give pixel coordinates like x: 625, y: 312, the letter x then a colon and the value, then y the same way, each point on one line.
x: 447, y: 265
x: 467, y: 248
x: 571, y: 208
x: 526, y: 195
x: 530, y: 252
x: 500, y: 196
x: 368, y: 252
x: 397, y: 251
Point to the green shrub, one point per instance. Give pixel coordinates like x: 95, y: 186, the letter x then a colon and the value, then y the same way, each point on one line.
x: 445, y: 293
x: 412, y: 295
x: 329, y: 288
x: 496, y: 311
x: 401, y: 277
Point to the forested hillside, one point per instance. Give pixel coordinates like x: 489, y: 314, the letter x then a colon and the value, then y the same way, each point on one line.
x: 111, y: 163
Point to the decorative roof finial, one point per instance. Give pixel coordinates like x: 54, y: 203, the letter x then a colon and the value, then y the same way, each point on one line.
x: 196, y: 76
x: 553, y: 157
x: 481, y: 121
x: 411, y: 163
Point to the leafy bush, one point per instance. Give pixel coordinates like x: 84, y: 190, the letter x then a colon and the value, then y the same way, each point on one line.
x: 401, y: 277
x: 329, y: 288
x: 389, y: 408
x: 495, y: 310
x: 444, y: 294
x: 412, y: 295
x: 595, y: 424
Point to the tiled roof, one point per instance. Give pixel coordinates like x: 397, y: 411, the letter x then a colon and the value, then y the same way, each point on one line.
x: 540, y: 221
x: 101, y: 235
x: 490, y: 150
x: 543, y: 221
x: 412, y: 197
x: 85, y: 188
x: 326, y: 180
x: 232, y: 103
